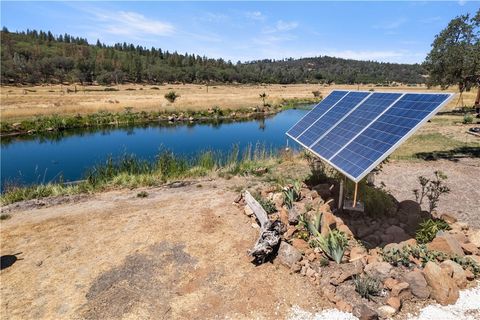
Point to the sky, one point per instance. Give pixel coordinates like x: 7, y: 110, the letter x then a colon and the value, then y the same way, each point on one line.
x: 243, y: 31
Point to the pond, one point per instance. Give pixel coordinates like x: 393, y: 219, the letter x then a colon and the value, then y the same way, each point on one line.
x: 68, y: 154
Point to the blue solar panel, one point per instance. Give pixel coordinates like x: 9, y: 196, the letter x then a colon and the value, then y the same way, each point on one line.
x: 316, y: 113
x: 381, y: 137
x: 331, y: 117
x: 355, y: 122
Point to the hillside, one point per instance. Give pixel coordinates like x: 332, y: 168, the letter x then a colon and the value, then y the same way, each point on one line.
x: 35, y: 57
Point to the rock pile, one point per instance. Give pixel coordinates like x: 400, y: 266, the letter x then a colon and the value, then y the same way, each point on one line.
x: 381, y: 250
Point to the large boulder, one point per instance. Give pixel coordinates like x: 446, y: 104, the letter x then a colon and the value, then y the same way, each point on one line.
x: 378, y: 270
x: 418, y: 284
x: 397, y: 234
x: 456, y: 271
x: 446, y: 243
x: 288, y: 255
x: 443, y: 287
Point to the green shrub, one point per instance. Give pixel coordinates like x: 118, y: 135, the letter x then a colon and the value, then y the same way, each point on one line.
x: 429, y: 228
x: 432, y: 189
x: 367, y: 287
x: 110, y: 89
x: 171, y: 96
x: 333, y: 245
x: 467, y: 118
x: 268, y: 205
x: 291, y: 193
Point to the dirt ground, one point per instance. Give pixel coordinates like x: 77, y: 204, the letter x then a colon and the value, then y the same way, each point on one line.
x: 27, y: 102
x: 180, y: 253
x: 463, y: 201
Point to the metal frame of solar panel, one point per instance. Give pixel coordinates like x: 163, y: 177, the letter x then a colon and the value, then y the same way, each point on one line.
x: 356, y: 130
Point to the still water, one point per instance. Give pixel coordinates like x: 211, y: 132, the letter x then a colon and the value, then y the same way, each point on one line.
x: 42, y: 159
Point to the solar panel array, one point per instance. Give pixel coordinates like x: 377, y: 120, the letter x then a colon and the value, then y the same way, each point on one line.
x: 354, y: 130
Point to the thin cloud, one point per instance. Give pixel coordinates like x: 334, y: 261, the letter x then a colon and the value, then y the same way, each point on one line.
x: 281, y: 26
x: 128, y: 23
x: 255, y: 15
x: 395, y: 24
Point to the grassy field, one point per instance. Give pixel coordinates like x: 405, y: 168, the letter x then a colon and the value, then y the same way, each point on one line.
x: 19, y: 103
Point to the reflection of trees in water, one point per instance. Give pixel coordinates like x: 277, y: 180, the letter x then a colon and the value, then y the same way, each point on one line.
x: 56, y: 136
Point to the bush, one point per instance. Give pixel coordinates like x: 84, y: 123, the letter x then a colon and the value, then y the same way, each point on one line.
x: 429, y: 228
x: 110, y: 89
x: 467, y: 118
x: 268, y: 205
x: 432, y: 189
x: 171, y: 96
x: 317, y: 94
x: 142, y: 194
x: 367, y: 287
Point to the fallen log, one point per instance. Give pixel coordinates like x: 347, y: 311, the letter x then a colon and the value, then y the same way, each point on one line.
x: 270, y: 232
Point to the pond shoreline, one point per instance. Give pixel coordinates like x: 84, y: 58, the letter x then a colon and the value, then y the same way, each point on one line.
x: 56, y: 123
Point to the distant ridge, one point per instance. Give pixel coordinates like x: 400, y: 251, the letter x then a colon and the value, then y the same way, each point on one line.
x: 40, y: 57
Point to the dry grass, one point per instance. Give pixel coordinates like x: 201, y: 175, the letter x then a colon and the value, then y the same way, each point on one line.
x: 18, y: 103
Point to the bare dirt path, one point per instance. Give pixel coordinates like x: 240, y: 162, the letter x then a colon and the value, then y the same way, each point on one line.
x: 463, y: 201
x: 180, y: 253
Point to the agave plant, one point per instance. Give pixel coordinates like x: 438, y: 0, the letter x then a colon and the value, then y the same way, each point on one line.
x: 291, y: 194
x: 333, y: 245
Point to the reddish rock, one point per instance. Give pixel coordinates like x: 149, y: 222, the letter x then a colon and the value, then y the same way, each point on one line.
x: 446, y: 243
x: 328, y: 223
x: 346, y: 271
x: 357, y: 253
x: 394, y: 302
x: 418, y: 284
x: 342, y: 305
x: 456, y: 271
x: 300, y: 244
x: 248, y: 211
x: 399, y: 288
x: 290, y: 231
x: 475, y: 258
x: 345, y: 229
x: 443, y: 287
x: 389, y: 283
x: 469, y: 248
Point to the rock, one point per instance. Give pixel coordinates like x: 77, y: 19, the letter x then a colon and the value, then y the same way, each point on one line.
x: 459, y: 235
x: 378, y: 270
x: 473, y: 257
x: 399, y: 288
x: 469, y: 274
x: 418, y: 284
x: 278, y: 199
x: 363, y: 312
x: 288, y: 255
x: 248, y: 211
x: 446, y: 243
x: 458, y: 274
x: 343, y: 228
x: 357, y: 253
x: 283, y: 215
x: 310, y: 272
x: 469, y: 248
x: 300, y: 244
x: 386, y: 312
x: 346, y: 271
x: 394, y: 302
x: 323, y: 190
x: 238, y: 198
x: 448, y: 218
x: 260, y: 171
x: 392, y: 247
x: 343, y: 306
x: 293, y: 215
x: 443, y: 287
x: 474, y: 237
x: 409, y: 206
x: 390, y: 283
x: 296, y: 267
x: 328, y: 223
x: 397, y: 233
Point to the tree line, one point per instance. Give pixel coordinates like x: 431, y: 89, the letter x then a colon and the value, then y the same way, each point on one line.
x: 34, y: 57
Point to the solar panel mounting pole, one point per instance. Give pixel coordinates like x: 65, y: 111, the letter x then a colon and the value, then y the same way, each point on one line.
x: 355, y: 195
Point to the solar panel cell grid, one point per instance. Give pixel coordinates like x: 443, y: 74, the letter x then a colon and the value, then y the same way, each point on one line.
x: 354, y: 123
x: 316, y: 112
x: 332, y: 116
